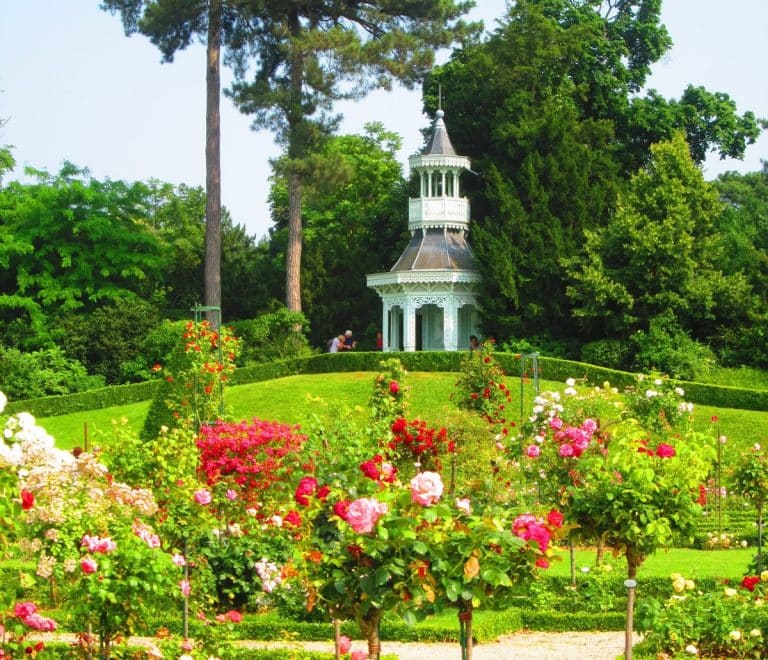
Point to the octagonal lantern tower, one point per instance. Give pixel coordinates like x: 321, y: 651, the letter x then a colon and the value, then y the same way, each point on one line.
x: 429, y: 297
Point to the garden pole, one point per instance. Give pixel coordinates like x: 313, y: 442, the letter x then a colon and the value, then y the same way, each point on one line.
x: 630, y: 585
x: 337, y: 637
x: 760, y: 538
x: 572, y: 552
x: 185, y: 609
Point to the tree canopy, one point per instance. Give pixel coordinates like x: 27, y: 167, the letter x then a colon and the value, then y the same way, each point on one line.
x: 305, y: 56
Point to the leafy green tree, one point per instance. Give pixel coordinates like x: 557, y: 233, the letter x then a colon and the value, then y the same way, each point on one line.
x: 308, y: 55
x: 660, y: 254
x: 351, y: 228
x: 744, y: 238
x: 7, y: 161
x: 556, y: 136
x: 69, y: 242
x: 546, y: 173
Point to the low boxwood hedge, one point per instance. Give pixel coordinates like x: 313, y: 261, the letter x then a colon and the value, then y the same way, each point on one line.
x: 553, y: 369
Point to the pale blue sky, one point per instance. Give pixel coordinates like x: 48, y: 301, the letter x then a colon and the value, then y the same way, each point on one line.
x: 73, y: 87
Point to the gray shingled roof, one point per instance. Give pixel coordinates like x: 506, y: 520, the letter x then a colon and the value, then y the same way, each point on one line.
x: 439, y: 143
x: 437, y: 249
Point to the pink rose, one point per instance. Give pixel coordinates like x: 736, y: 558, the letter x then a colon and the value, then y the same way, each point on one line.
x: 358, y: 655
x: 344, y: 644
x: 234, y: 616
x: 231, y: 494
x: 533, y: 451
x: 394, y: 387
x: 178, y: 559
x: 292, y: 518
x: 665, y: 451
x: 566, y: 450
x: 555, y: 423
x: 589, y: 425
x: 24, y: 609
x: 362, y: 514
x: 426, y: 488
x: 41, y: 623
x: 307, y: 486
x: 203, y: 497
x: 185, y: 587
x: 89, y: 565
x: 462, y: 504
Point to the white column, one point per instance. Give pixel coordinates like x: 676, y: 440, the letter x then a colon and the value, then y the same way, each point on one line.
x: 450, y: 324
x: 409, y: 326
x: 386, y: 319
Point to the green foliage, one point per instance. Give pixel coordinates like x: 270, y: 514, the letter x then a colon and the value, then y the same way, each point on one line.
x: 273, y: 336
x: 721, y: 622
x: 43, y: 373
x: 750, y: 477
x: 612, y: 353
x: 109, y: 341
x: 667, y: 348
x: 366, y: 210
x: 75, y: 241
x: 659, y: 256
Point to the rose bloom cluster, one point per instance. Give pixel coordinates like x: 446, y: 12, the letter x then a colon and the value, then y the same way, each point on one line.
x: 252, y: 454
x: 378, y: 469
x: 27, y: 613
x: 572, y: 441
x: 537, y: 531
x: 663, y: 450
x: 417, y: 438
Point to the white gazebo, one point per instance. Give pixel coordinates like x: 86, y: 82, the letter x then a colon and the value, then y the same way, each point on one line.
x: 429, y: 296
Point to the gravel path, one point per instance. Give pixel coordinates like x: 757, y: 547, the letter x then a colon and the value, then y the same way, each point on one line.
x: 525, y: 645
x: 519, y: 646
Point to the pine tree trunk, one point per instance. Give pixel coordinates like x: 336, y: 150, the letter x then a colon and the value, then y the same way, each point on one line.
x: 293, y: 252
x: 213, y: 161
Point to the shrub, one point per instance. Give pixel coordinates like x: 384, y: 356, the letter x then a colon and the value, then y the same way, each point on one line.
x: 43, y: 373
x: 666, y: 347
x: 612, y: 353
x: 481, y: 388
x: 192, y: 390
x: 111, y: 337
x: 273, y: 336
x: 724, y: 622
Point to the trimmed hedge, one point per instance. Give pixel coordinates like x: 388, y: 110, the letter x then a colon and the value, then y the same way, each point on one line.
x: 573, y: 621
x: 553, y: 369
x: 104, y: 397
x: 486, y: 626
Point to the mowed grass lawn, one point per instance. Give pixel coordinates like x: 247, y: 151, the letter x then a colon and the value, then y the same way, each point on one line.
x: 297, y: 399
